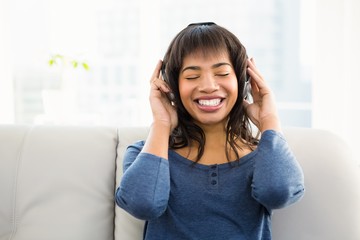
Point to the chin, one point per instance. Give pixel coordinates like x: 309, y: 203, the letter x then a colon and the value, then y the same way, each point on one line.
x: 210, y: 122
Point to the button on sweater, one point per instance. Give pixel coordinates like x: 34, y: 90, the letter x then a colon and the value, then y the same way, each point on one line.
x: 182, y: 200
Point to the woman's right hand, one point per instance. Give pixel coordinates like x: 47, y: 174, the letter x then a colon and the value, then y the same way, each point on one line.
x: 162, y: 110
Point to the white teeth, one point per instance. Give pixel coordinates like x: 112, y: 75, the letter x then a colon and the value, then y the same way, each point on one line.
x: 211, y: 102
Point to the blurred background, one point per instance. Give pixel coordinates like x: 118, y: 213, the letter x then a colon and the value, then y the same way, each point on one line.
x: 88, y: 62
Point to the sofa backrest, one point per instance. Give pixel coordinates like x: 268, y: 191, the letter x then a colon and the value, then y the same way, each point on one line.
x: 57, y: 183
x: 126, y: 226
x: 330, y: 208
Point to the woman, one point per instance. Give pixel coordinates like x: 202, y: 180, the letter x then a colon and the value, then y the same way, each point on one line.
x: 201, y: 173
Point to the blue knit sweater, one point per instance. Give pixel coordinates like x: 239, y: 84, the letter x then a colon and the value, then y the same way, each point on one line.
x: 180, y: 200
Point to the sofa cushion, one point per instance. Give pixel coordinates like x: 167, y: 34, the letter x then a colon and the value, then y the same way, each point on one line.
x: 57, y: 182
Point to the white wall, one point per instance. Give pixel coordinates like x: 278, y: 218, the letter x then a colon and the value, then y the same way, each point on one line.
x: 6, y: 84
x: 337, y: 68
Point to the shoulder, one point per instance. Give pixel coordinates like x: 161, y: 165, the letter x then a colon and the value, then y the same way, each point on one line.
x: 138, y: 145
x: 131, y: 152
x: 271, y: 137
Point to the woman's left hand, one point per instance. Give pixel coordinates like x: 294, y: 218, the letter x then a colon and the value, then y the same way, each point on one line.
x: 262, y: 111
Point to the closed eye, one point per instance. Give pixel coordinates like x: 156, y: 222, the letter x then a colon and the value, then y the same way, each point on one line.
x: 222, y: 74
x: 192, y: 77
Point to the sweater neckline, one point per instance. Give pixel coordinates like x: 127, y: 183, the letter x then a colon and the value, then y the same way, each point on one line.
x: 244, y: 159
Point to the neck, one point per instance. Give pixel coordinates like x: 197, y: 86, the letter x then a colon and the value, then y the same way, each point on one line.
x: 215, y: 135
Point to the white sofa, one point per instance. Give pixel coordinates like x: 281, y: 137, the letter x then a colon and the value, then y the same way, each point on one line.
x: 58, y: 183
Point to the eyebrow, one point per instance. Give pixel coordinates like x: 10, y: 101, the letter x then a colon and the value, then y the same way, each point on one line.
x: 213, y: 66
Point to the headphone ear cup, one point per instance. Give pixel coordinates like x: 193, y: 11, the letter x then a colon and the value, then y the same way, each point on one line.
x: 247, y: 87
x: 170, y: 95
x: 163, y: 74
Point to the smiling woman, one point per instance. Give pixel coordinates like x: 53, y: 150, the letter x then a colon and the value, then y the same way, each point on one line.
x: 201, y: 155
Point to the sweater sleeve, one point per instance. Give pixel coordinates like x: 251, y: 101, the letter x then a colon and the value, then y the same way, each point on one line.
x: 145, y: 185
x: 278, y: 180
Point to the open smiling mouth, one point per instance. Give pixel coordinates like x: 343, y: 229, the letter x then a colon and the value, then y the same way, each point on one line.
x: 209, y: 102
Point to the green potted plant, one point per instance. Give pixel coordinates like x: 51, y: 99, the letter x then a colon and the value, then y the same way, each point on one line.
x: 60, y: 102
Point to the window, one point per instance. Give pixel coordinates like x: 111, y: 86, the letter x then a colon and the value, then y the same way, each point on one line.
x: 121, y: 42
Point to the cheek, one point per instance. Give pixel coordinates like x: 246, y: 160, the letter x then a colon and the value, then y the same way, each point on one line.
x: 233, y: 88
x: 185, y: 91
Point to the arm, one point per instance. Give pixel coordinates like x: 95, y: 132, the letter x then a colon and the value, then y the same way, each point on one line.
x: 278, y: 179
x: 145, y: 185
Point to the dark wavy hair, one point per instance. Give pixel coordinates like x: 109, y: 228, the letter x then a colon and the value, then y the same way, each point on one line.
x: 208, y: 38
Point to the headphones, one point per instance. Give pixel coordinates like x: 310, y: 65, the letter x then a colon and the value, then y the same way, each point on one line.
x: 170, y: 95
x: 247, y: 87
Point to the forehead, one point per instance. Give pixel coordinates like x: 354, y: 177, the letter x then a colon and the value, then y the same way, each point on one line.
x: 199, y: 58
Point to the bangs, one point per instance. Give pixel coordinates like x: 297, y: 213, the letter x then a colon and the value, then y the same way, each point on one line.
x: 205, y: 40
x: 202, y: 40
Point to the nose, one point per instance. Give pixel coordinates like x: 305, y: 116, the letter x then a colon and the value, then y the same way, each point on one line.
x: 208, y: 84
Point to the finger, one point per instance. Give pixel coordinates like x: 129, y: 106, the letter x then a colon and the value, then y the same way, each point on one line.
x: 159, y: 84
x: 255, y: 91
x: 156, y: 72
x: 252, y: 60
x: 156, y: 82
x: 252, y: 66
x: 256, y: 78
